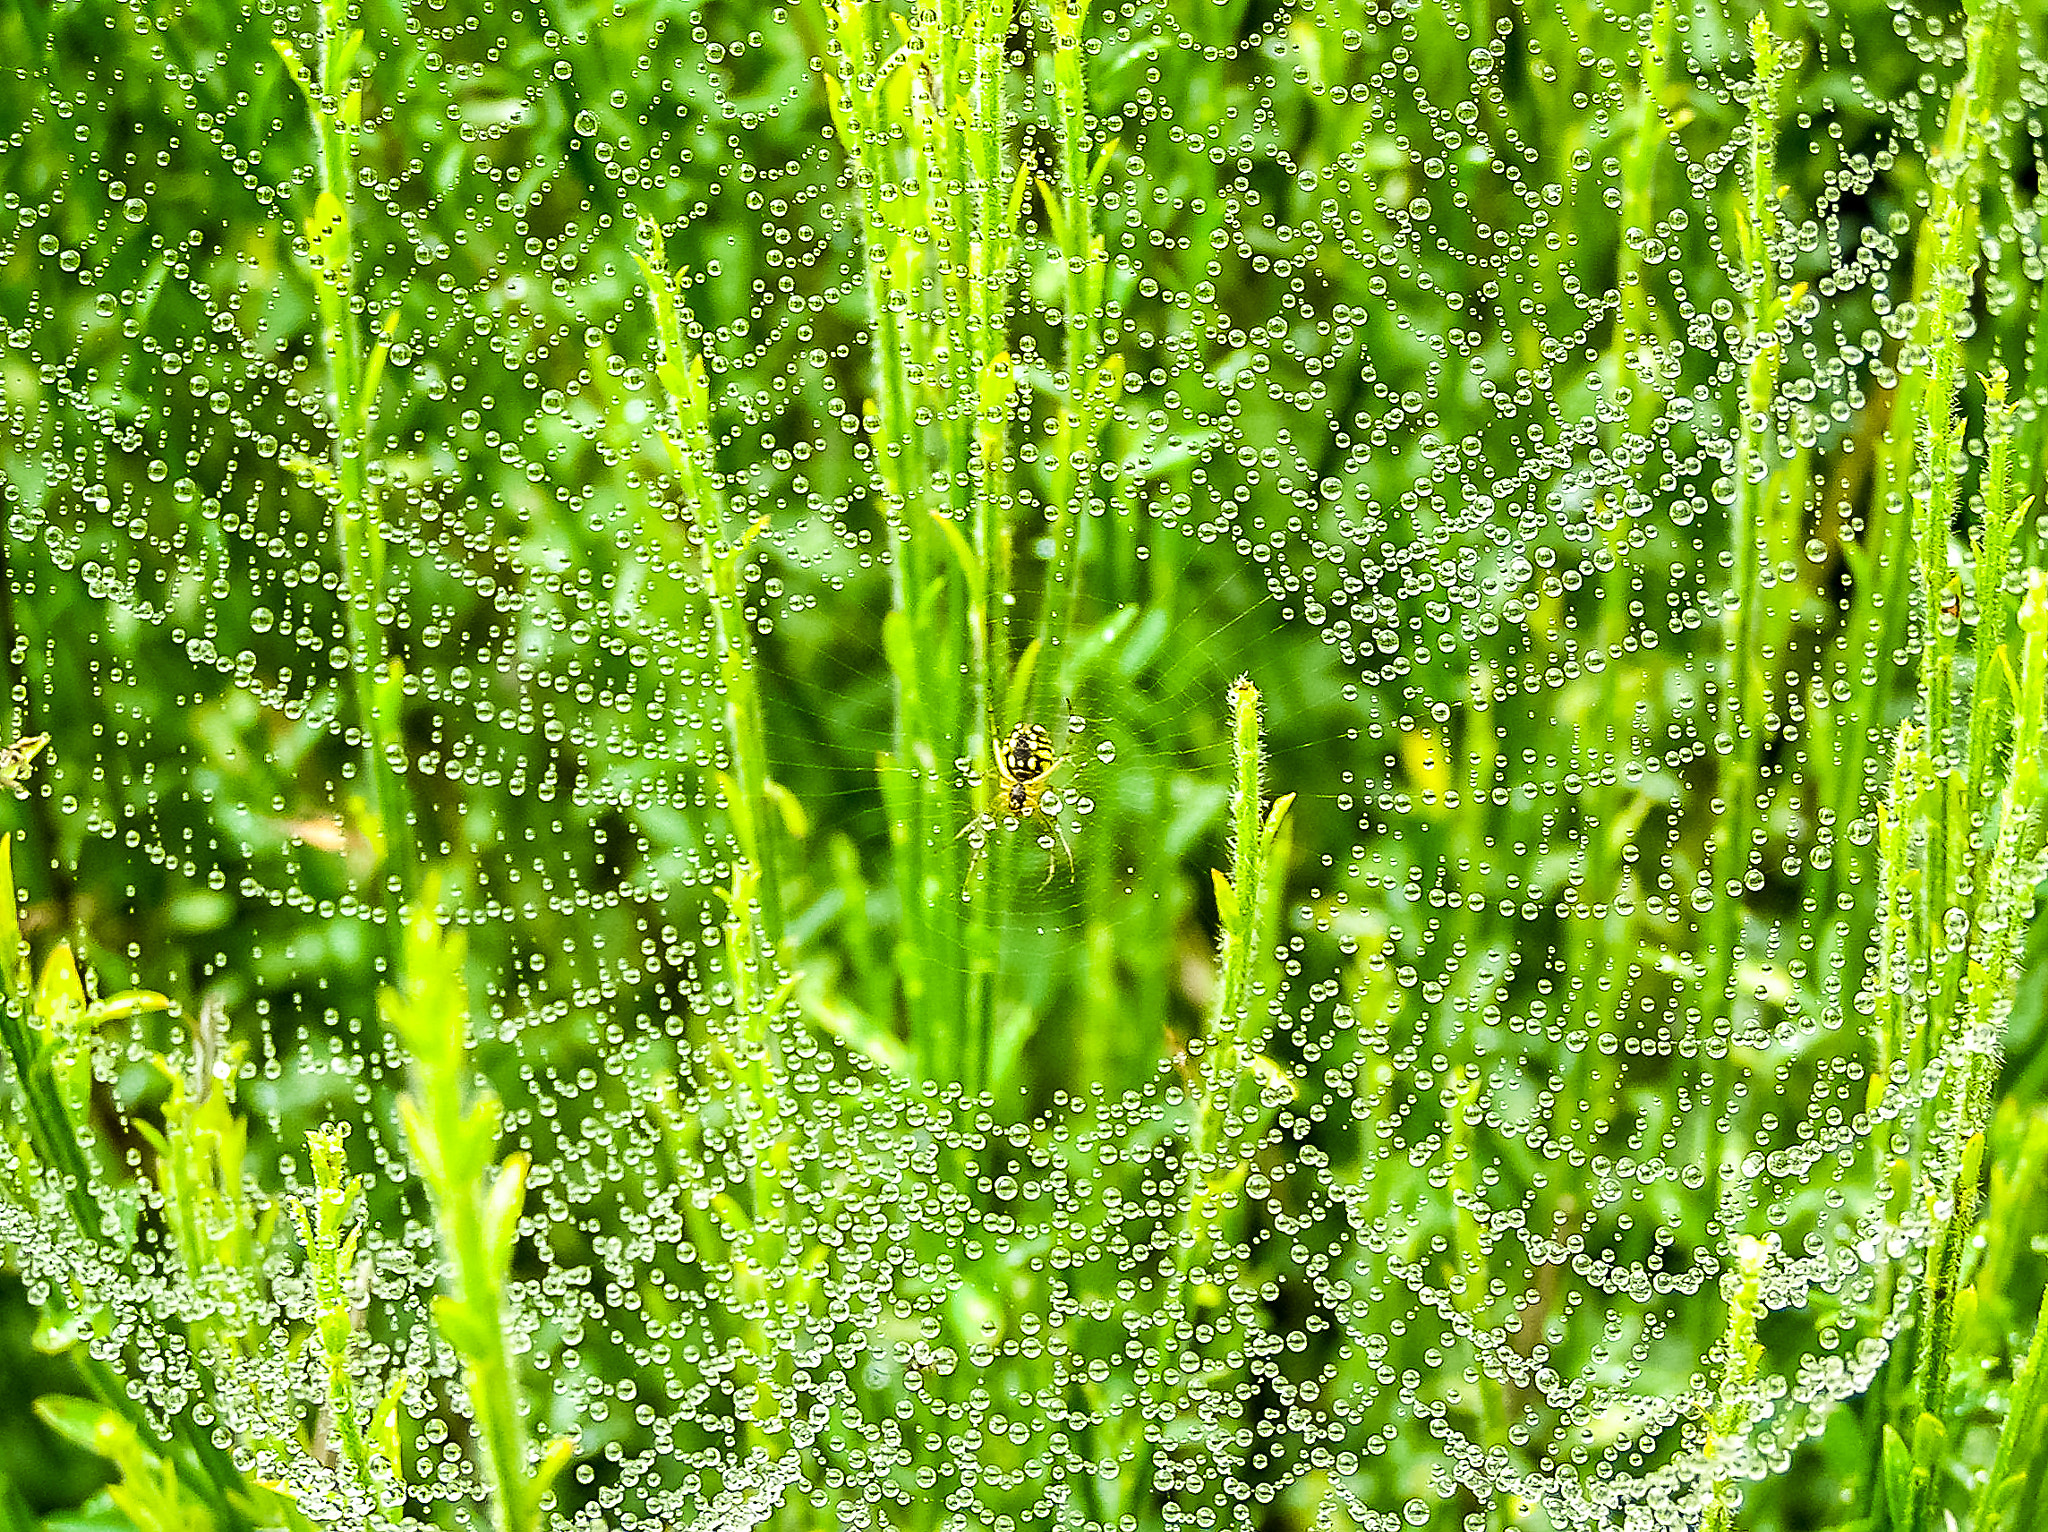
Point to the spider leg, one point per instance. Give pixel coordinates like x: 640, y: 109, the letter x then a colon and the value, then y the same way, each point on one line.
x: 1051, y: 860
x: 979, y: 843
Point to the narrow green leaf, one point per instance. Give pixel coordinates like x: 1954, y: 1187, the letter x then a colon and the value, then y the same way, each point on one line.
x: 502, y: 1208
x: 343, y: 63
x: 1274, y: 822
x: 129, y: 1002
x: 1226, y: 899
x: 384, y: 1433
x: 1896, y: 1466
x: 81, y: 1422
x: 795, y: 822
x: 956, y: 540
x: 13, y: 950
x: 1019, y: 693
x: 556, y: 1456
x: 294, y: 66
x: 468, y: 1332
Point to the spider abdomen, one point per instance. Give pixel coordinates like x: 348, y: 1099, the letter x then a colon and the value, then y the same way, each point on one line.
x: 1029, y: 753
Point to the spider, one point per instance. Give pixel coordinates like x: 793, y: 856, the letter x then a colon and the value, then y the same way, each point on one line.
x: 1025, y: 763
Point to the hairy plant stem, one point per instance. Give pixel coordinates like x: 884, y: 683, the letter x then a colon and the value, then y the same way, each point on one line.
x: 1741, y: 1356
x: 1232, y: 1077
x: 763, y: 1244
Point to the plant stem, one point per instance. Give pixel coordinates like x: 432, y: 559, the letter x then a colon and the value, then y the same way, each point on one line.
x: 1741, y: 1356
x: 352, y: 378
x: 1746, y: 706
x: 1233, y: 1076
x: 2019, y: 1442
x: 330, y: 1239
x: 1951, y: 1030
x: 925, y: 127
x: 721, y: 555
x: 55, y: 1117
x: 985, y: 375
x: 916, y: 785
x: 453, y: 1130
x: 1092, y: 383
x: 1748, y: 697
x: 1881, y: 565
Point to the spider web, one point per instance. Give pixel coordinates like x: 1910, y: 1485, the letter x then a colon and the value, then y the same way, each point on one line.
x: 1378, y: 450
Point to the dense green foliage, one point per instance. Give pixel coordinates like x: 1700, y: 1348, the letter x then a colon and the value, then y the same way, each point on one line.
x: 552, y: 979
